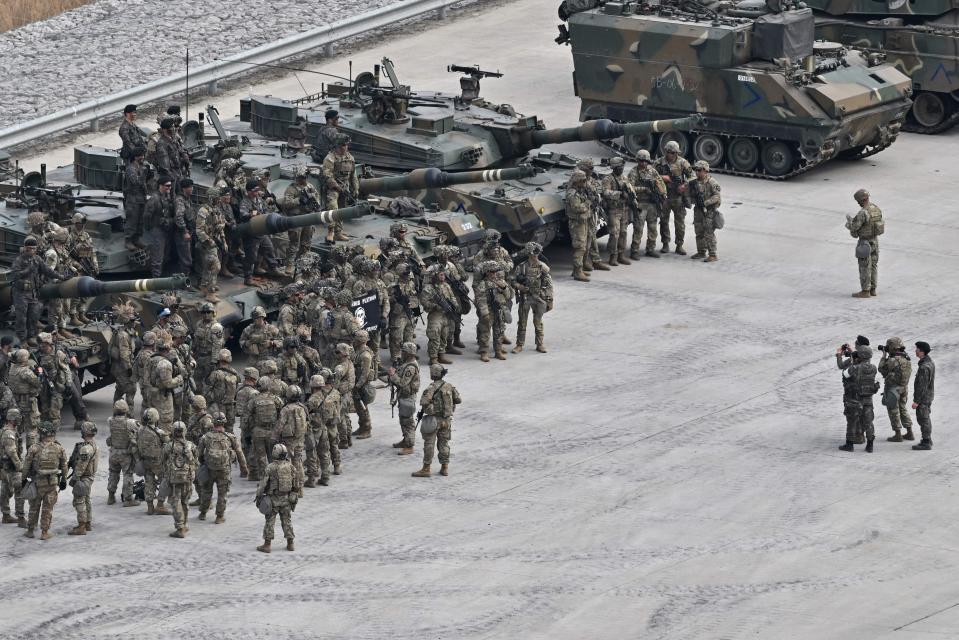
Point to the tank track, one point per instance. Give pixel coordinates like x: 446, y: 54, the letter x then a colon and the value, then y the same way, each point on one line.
x: 912, y: 126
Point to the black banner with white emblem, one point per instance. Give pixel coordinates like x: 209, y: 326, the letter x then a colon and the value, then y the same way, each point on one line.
x: 366, y: 308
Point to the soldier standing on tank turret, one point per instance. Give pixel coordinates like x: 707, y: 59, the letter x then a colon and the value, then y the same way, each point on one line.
x: 342, y: 185
x: 651, y: 193
x: 46, y: 466
x: 11, y: 466
x: 58, y: 258
x: 158, y: 223
x: 326, y: 140
x: 26, y: 274
x: 130, y: 134
x: 210, y: 240
x: 299, y: 198
x: 253, y: 205
x: 867, y: 226
x: 184, y: 227
x: 578, y: 216
x: 83, y: 251
x: 676, y: 172
x: 135, y: 178
x: 168, y: 157
x: 705, y: 192
x: 84, y: 463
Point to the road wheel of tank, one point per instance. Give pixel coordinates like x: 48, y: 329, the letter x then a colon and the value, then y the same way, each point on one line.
x: 778, y: 158
x: 929, y: 109
x: 679, y: 137
x: 709, y: 147
x: 743, y: 154
x: 639, y: 142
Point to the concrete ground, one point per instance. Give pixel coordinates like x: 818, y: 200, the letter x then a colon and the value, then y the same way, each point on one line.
x: 668, y: 470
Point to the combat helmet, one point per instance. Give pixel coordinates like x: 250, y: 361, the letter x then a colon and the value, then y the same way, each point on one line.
x: 437, y: 371
x: 88, y: 429
x: 409, y: 347
x: 643, y: 156
x: 47, y: 428
x: 13, y: 415
x: 120, y: 407
x: 279, y: 452
x: 179, y: 429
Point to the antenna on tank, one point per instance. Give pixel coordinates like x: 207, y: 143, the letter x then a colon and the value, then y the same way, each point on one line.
x: 187, y: 118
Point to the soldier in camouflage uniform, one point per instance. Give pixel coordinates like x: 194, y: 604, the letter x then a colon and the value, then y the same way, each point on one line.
x: 84, y: 471
x: 438, y: 402
x: 58, y: 257
x: 243, y: 396
x: 207, y: 341
x: 82, y: 249
x: 179, y: 470
x: 149, y: 444
x: 705, y: 192
x: 25, y: 385
x: 456, y: 277
x: 867, y: 226
x: 341, y: 321
x: 264, y: 408
x: 201, y: 421
x: 281, y: 487
x: 122, y: 347
x: 287, y: 316
x: 184, y: 365
x: 313, y: 361
x: 218, y: 450
x: 141, y: 368
x: 291, y: 428
x: 292, y: 366
x: 222, y: 386
x: 323, y: 407
x: 923, y: 392
x: 184, y: 223
x: 158, y: 223
x: 676, y: 172
x: 364, y: 365
x: 326, y: 140
x: 594, y: 190
x: 404, y: 309
x: 534, y: 288
x: 255, y: 205
x: 27, y: 273
x: 579, y: 215
x: 618, y: 196
x: 122, y: 442
x: 134, y: 199
x: 406, y: 383
x: 130, y: 134
x: 650, y: 191
x: 441, y: 306
x: 342, y: 185
x: 55, y: 378
x: 168, y: 157
x: 494, y: 300
x: 857, y: 398
x: 164, y: 382
x: 11, y: 467
x: 46, y: 466
x: 299, y: 198
x: 896, y: 369
x: 344, y: 379
x: 255, y: 338
x: 210, y: 238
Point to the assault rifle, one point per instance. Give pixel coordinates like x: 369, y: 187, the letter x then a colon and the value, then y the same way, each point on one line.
x: 460, y: 289
x: 659, y: 198
x: 445, y: 305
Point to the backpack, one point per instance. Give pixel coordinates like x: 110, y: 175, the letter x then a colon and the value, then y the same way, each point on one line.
x: 149, y: 443
x: 264, y: 409
x: 218, y: 455
x: 179, y: 471
x: 283, y: 478
x: 119, y: 432
x: 48, y: 460
x: 151, y: 154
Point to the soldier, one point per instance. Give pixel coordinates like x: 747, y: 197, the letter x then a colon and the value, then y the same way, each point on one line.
x: 54, y: 379
x: 122, y: 346
x: 6, y: 356
x: 280, y: 486
x: 922, y: 394
x: 231, y: 253
x: 243, y: 396
x: 164, y: 382
x: 58, y: 258
x: 896, y: 369
x: 81, y: 248
x: 135, y: 178
x: 593, y: 189
x: 313, y: 361
x: 122, y: 442
x: 326, y: 140
x: 867, y: 226
x: 299, y: 198
x: 253, y: 205
x: 158, y: 222
x: 578, y: 216
x: 859, y: 386
x: 364, y: 364
x: 130, y: 134
x: 149, y: 445
x: 441, y: 306
x: 184, y: 365
x: 141, y: 368
x: 341, y: 322
x: 398, y: 231
x: 222, y: 386
x: 342, y: 185
x: 618, y: 195
x: 255, y: 339
x: 291, y: 427
x: 169, y: 157
x: 26, y: 274
x: 287, y: 317
x: 264, y: 409
x: 323, y: 407
x: 25, y: 385
x: 179, y: 470
x: 438, y: 402
x: 218, y: 450
x: 208, y: 339
x: 651, y: 196
x: 450, y: 260
x: 84, y: 463
x: 201, y: 422
x: 292, y: 366
x: 405, y: 381
x: 494, y: 299
x: 184, y: 226
x: 404, y: 310
x: 46, y: 466
x: 676, y: 172
x: 705, y: 193
x: 210, y: 239
x: 534, y: 288
x: 344, y: 379
x: 11, y: 467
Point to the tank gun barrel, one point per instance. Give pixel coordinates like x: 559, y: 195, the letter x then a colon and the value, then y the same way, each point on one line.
x: 271, y: 223
x: 434, y: 178
x: 87, y: 287
x: 607, y: 130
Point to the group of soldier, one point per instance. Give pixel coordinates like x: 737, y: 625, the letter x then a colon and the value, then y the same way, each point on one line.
x: 860, y: 385
x: 645, y: 198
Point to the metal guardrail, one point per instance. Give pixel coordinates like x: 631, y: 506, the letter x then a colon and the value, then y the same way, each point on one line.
x: 209, y: 74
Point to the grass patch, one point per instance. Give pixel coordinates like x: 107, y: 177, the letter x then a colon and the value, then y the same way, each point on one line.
x: 16, y: 13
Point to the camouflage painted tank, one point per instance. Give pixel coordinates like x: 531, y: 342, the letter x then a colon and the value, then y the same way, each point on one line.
x: 776, y: 102
x: 920, y: 38
x: 395, y: 129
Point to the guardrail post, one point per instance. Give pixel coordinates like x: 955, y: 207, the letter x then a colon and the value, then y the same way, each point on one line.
x: 212, y: 87
x: 442, y: 13
x: 95, y: 125
x: 328, y: 50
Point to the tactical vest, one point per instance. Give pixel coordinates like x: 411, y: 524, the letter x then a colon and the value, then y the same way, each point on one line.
x: 228, y: 383
x: 155, y: 361
x: 8, y: 440
x: 178, y: 467
x: 218, y: 452
x: 149, y: 443
x: 264, y: 409
x: 283, y: 477
x: 21, y: 380
x: 901, y: 369
x: 119, y: 433
x: 864, y: 380
x: 48, y: 459
x: 874, y: 226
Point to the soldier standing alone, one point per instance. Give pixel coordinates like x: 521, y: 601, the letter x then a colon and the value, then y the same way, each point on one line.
x: 279, y: 486
x: 342, y: 185
x: 867, y: 226
x: 439, y: 401
x: 706, y: 196
x: 85, y: 465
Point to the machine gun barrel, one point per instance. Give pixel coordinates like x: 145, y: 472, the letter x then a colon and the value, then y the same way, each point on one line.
x: 271, y: 223
x: 434, y: 178
x: 607, y: 130
x: 87, y: 287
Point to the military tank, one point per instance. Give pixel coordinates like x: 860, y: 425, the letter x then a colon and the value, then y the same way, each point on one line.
x: 777, y: 102
x: 395, y: 129
x: 921, y: 39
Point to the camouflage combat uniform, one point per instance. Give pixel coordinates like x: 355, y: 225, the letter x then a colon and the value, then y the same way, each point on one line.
x: 27, y: 273
x: 84, y: 472
x: 208, y: 339
x: 10, y: 473
x: 210, y: 236
x: 923, y: 393
x: 648, y: 185
x: 25, y: 386
x: 439, y: 400
x: 46, y: 464
x: 279, y: 485
x: 896, y: 369
x: 706, y: 198
x: 323, y: 406
x: 297, y: 200
x: 264, y: 410
x: 150, y: 442
x: 218, y: 451
x: 438, y: 320
x: 344, y: 379
x: 342, y: 185
x: 122, y: 442
x: 680, y: 173
x: 407, y: 383
x: 221, y: 390
x: 534, y: 288
x: 121, y: 348
x: 867, y: 226
x: 579, y: 215
x: 291, y: 427
x: 179, y: 469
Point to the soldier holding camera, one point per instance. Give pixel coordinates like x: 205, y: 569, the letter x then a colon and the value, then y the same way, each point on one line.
x: 896, y: 369
x: 859, y: 385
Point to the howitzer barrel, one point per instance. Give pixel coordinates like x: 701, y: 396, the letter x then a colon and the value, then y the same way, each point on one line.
x: 607, y: 130
x: 434, y: 178
x: 276, y: 223
x: 87, y: 287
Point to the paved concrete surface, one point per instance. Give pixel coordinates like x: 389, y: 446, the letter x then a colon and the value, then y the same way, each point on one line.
x: 668, y: 470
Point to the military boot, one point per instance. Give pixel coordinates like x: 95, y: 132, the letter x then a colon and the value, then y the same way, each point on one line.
x: 580, y: 275
x: 433, y: 361
x: 150, y: 509
x: 46, y: 535
x: 289, y: 544
x: 600, y: 266
x: 179, y: 533
x: 872, y: 291
x: 405, y: 451
x: 265, y: 547
x: 112, y: 498
x: 29, y: 533
x: 21, y: 522
x: 422, y: 473
x: 679, y: 250
x: 895, y: 438
x: 79, y: 530
x: 444, y: 469
x: 518, y: 348
x: 665, y: 248
x: 848, y: 446
x: 484, y: 357
x: 219, y: 519
x: 652, y: 253
x: 869, y: 445
x: 195, y: 503
x: 324, y: 481
x: 161, y: 509
x: 131, y: 503
x: 712, y: 258
x: 908, y: 435
x: 442, y: 359
x: 613, y: 261
x: 365, y: 431
x: 400, y: 445
x: 699, y: 255
x: 310, y: 482
x: 862, y: 294
x: 623, y: 259
x: 453, y: 350
x: 89, y: 526
x: 201, y: 515
x: 501, y: 354
x: 75, y: 320
x: 924, y: 445
x: 337, y: 469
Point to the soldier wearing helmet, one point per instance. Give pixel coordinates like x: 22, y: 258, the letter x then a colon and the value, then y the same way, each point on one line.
x: 404, y: 308
x: 365, y: 367
x: 210, y: 241
x: 217, y: 450
x: 150, y: 439
x: 11, y: 466
x: 280, y: 488
x: 255, y: 339
x: 344, y: 380
x: 618, y: 198
x: 593, y: 188
x: 288, y: 316
x: 222, y: 386
x: 263, y: 409
x: 867, y: 226
x: 676, y: 172
x: 534, y: 290
x: 651, y: 197
x: 438, y: 403
x: 859, y: 386
x: 342, y: 184
x: 27, y: 274
x: 141, y: 368
x: 24, y: 383
x: 179, y: 468
x: 122, y: 441
x: 494, y: 301
x: 896, y: 369
x: 399, y: 231
x: 705, y: 194
x: 291, y: 365
x: 405, y: 380
x: 291, y: 428
x: 340, y: 323
x: 122, y: 351
x: 243, y: 396
x: 208, y: 339
x: 579, y: 214
x: 136, y: 177
x: 82, y: 250
x: 167, y: 381
x: 442, y: 307
x: 300, y: 198
x: 84, y: 463
x: 323, y: 408
x: 46, y: 466
x: 252, y: 205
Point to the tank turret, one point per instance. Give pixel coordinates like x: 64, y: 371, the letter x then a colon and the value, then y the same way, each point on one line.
x: 87, y: 287
x: 271, y: 223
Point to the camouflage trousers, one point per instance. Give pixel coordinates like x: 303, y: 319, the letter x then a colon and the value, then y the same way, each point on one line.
x: 262, y: 442
x: 29, y: 417
x: 246, y: 437
x: 335, y: 200
x: 26, y: 309
x: 300, y: 241
x: 592, y: 243
x: 677, y: 207
x: 204, y: 367
x: 869, y: 267
x: 167, y: 410
x: 51, y: 405
x: 924, y: 418
x: 401, y: 330
x: 616, y: 241
x: 209, y: 266
x: 282, y: 508
x: 539, y: 309
x: 252, y: 248
x: 133, y: 218
x: 180, y: 493
x: 648, y: 215
x: 408, y: 429
x: 345, y: 426
x: 484, y: 327
x: 362, y: 413
x: 10, y: 488
x: 126, y: 385
x: 859, y: 419
x: 42, y: 507
x: 705, y: 232
x: 152, y: 474
x: 899, y: 417
x: 578, y: 237
x: 333, y: 437
x: 318, y: 452
x: 440, y: 439
x: 121, y: 462
x: 57, y: 312
x: 222, y: 480
x: 84, y: 508
x: 438, y: 333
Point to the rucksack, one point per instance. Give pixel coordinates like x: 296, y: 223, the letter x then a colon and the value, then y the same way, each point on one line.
x: 149, y: 443
x: 119, y: 432
x: 283, y: 478
x: 218, y: 454
x: 264, y: 409
x: 179, y: 471
x: 48, y: 461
